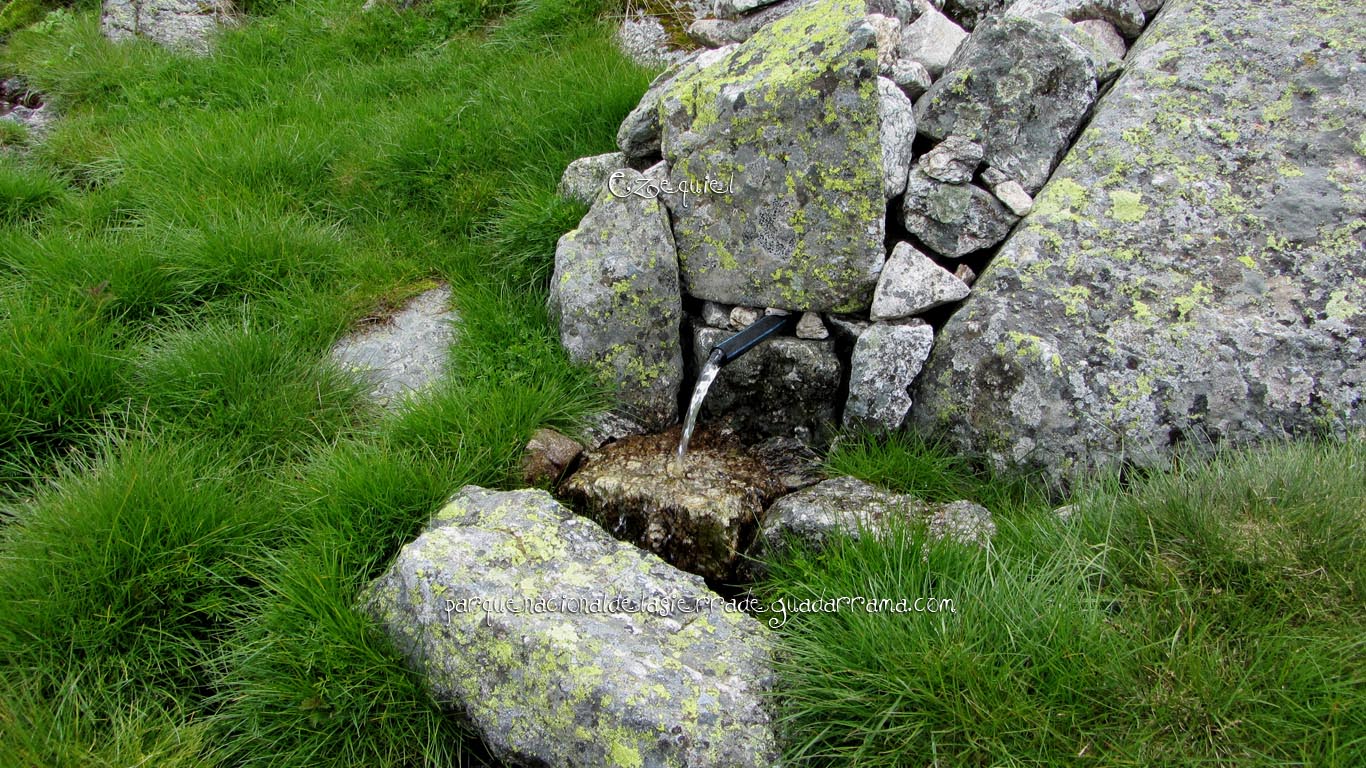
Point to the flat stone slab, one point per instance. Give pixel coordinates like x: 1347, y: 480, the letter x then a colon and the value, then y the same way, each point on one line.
x: 1192, y: 274
x: 699, y: 518
x: 853, y: 507
x: 406, y: 352
x: 565, y: 647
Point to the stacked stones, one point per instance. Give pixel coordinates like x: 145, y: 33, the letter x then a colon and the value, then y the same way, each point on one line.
x: 760, y: 174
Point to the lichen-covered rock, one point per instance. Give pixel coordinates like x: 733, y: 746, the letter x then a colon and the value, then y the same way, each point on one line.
x: 931, y: 40
x: 847, y: 505
x: 615, y: 289
x: 565, y: 647
x: 699, y: 517
x: 185, y: 25
x: 718, y: 33
x: 638, y: 136
x: 1193, y: 273
x: 885, y: 362
x: 405, y: 353
x: 1124, y: 15
x: 911, y: 283
x: 953, y: 219
x: 789, y: 121
x: 783, y: 386
x: 1018, y: 88
x: 584, y: 178
x: 898, y: 133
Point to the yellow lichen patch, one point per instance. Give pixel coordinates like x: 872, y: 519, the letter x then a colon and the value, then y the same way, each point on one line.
x: 1126, y: 206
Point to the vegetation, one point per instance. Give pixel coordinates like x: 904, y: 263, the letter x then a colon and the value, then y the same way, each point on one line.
x: 191, y: 495
x: 194, y: 494
x: 1212, y: 615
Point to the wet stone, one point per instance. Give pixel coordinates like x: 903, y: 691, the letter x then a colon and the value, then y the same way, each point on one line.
x: 784, y: 386
x: 699, y: 519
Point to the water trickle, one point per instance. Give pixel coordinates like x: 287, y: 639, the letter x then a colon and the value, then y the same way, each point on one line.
x: 699, y: 393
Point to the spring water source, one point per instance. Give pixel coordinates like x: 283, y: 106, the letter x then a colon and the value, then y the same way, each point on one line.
x: 699, y: 393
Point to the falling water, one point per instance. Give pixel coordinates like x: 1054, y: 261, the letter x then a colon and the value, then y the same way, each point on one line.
x: 704, y: 379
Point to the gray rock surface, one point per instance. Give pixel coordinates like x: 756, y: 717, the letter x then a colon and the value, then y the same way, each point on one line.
x: 898, y: 134
x: 953, y: 219
x: 811, y: 327
x: 912, y: 283
x: 643, y: 38
x: 615, y: 289
x: 583, y: 179
x: 185, y: 25
x: 847, y: 505
x: 970, y: 13
x: 1018, y: 88
x: 783, y: 386
x: 886, y: 38
x: 716, y: 315
x: 404, y: 353
x: 638, y: 136
x: 699, y: 517
x: 886, y: 360
x: 911, y: 76
x: 1104, y: 33
x: 1125, y: 15
x: 952, y: 161
x: 931, y: 40
x: 505, y: 606
x: 1193, y: 272
x: 791, y: 116
x: 718, y: 33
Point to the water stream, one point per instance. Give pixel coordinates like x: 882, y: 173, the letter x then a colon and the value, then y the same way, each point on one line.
x: 704, y: 379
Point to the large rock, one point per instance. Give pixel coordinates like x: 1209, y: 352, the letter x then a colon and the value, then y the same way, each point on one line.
x: 565, y: 647
x: 783, y: 386
x: 1017, y: 87
x: 886, y: 359
x: 186, y: 25
x: 1193, y: 273
x: 789, y: 122
x: 615, y: 289
x: 638, y: 135
x: 698, y: 515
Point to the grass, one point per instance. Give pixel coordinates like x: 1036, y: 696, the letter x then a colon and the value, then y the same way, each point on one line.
x: 1210, y: 615
x: 195, y: 495
x: 192, y: 496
